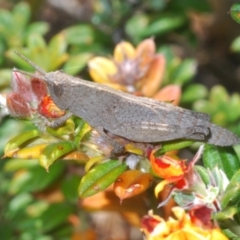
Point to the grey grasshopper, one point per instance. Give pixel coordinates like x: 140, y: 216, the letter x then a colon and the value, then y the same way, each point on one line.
x: 134, y: 118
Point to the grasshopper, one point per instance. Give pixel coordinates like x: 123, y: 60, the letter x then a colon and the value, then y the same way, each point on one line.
x: 138, y: 119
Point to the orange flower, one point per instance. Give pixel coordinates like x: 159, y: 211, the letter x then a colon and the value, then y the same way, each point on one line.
x: 136, y: 70
x: 188, y: 187
x: 181, y: 228
x: 167, y: 167
x: 48, y: 108
x: 175, y: 171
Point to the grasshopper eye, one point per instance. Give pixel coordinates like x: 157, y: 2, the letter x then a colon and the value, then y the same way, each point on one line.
x: 58, y: 90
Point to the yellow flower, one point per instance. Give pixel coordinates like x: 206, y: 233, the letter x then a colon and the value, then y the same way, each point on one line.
x: 136, y: 70
x: 181, y: 228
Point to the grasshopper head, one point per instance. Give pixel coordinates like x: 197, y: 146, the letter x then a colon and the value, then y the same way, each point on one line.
x: 58, y: 85
x: 59, y: 89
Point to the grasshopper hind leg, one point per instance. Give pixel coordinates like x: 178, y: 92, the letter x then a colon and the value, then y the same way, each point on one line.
x: 118, y: 148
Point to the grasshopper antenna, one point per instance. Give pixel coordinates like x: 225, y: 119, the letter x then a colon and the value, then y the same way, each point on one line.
x: 30, y: 63
x: 27, y: 73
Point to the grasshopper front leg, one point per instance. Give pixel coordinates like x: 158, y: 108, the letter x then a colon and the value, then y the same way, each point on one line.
x: 57, y: 122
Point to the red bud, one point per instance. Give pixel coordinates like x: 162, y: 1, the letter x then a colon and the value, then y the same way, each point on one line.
x: 21, y: 85
x: 39, y: 88
x: 17, y: 105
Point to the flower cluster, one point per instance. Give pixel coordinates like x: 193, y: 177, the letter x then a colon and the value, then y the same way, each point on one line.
x: 186, y: 181
x: 139, y: 71
x: 30, y: 98
x: 194, y: 188
x: 183, y: 227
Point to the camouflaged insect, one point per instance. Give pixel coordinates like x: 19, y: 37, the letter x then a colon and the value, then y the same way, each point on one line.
x: 137, y: 119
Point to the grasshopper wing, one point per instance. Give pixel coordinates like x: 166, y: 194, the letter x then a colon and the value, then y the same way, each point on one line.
x: 163, y: 105
x: 156, y: 132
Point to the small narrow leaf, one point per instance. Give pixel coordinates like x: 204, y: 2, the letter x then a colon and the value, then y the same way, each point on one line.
x: 93, y: 161
x: 54, y: 151
x: 36, y: 178
x: 82, y: 129
x: 231, y: 195
x: 132, y: 149
x: 131, y: 183
x: 232, y: 192
x: 32, y: 152
x: 173, y: 145
x: 224, y: 158
x: 203, y: 173
x: 76, y: 63
x: 184, y: 72
x: 226, y: 214
x: 18, y: 140
x: 235, y: 12
x: 61, y: 210
x: 100, y: 177
x: 65, y: 129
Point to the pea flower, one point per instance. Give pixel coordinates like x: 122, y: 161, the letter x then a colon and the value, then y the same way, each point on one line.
x: 190, y: 191
x: 180, y: 228
x: 137, y: 70
x: 30, y: 98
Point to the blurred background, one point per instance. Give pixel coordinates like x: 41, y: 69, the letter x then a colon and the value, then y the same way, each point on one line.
x: 200, y: 43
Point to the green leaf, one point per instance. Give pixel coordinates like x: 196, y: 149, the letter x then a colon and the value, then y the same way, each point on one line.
x: 69, y: 187
x: 20, y: 139
x: 219, y: 95
x: 36, y: 42
x: 165, y: 23
x: 79, y: 34
x: 173, y: 145
x: 20, y: 202
x: 37, y: 27
x: 57, y: 51
x: 100, y: 177
x: 203, y: 105
x: 36, y: 178
x: 67, y: 128
x: 55, y: 216
x: 167, y: 51
x: 232, y: 192
x: 82, y: 129
x: 21, y: 14
x: 203, y: 173
x: 5, y: 77
x: 193, y: 93
x: 53, y: 152
x: 136, y: 26
x: 230, y: 234
x: 183, y: 199
x: 5, y: 20
x: 15, y: 164
x: 235, y: 46
x: 222, y: 157
x: 235, y: 12
x: 184, y: 72
x: 156, y: 5
x: 226, y: 214
x: 233, y: 103
x: 76, y: 63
